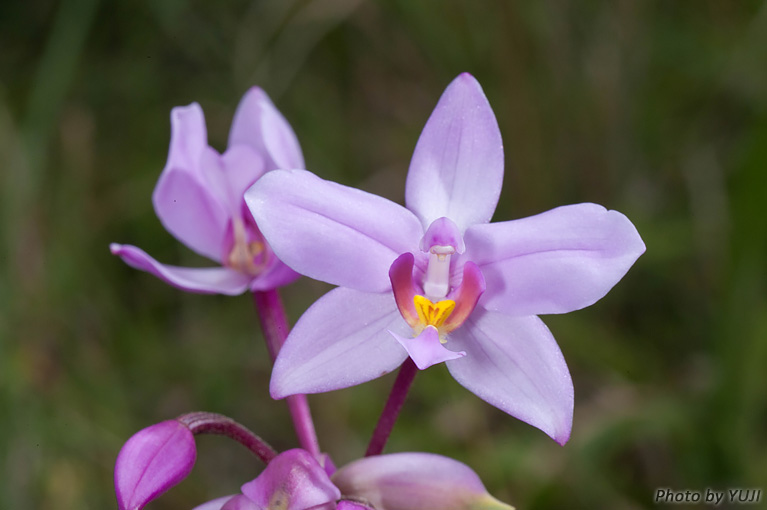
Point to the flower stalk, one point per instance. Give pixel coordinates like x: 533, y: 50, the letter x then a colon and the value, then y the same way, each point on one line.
x: 392, y: 408
x: 212, y: 423
x: 274, y: 325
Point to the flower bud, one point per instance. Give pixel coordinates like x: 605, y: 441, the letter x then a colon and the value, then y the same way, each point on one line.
x: 151, y: 462
x: 293, y: 480
x: 414, y: 481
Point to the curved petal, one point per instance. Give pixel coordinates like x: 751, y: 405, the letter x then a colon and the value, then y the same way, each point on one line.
x: 152, y: 461
x: 260, y: 125
x: 515, y: 364
x: 426, y: 350
x: 403, y: 287
x: 466, y: 296
x: 188, y: 137
x: 192, y: 208
x: 277, y: 275
x: 331, y: 232
x: 242, y: 167
x: 414, y: 481
x: 457, y: 165
x: 556, y: 262
x: 209, y: 280
x: 293, y: 480
x: 341, y: 340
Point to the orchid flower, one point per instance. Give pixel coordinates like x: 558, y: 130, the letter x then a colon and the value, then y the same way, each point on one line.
x: 160, y: 456
x: 294, y: 480
x: 199, y: 199
x: 434, y: 280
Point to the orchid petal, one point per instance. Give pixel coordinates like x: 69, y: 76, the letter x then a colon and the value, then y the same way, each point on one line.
x: 190, y: 206
x: 414, y: 481
x: 331, y: 232
x: 340, y: 341
x: 152, y: 461
x: 209, y: 280
x: 556, y: 262
x: 515, y: 364
x: 465, y: 296
x: 403, y: 287
x: 216, y: 504
x: 258, y: 124
x: 276, y: 275
x: 457, y: 165
x: 188, y: 137
x: 293, y: 480
x: 242, y: 167
x: 426, y: 350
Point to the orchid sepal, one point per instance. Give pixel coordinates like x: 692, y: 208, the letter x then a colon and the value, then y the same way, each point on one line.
x: 415, y: 481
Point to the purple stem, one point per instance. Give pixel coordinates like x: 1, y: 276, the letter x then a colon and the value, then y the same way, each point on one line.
x: 212, y: 423
x: 274, y: 324
x: 392, y: 408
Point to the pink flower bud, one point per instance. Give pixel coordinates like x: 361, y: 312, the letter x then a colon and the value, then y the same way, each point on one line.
x: 151, y: 462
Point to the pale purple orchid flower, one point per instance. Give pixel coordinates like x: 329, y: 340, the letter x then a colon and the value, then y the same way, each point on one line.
x: 294, y: 480
x: 435, y: 281
x: 160, y: 456
x: 199, y: 199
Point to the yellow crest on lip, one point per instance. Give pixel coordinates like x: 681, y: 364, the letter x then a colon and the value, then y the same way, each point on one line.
x: 433, y: 314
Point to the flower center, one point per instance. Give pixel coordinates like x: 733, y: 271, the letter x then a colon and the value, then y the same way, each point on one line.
x: 248, y: 253
x: 432, y: 314
x: 437, y: 302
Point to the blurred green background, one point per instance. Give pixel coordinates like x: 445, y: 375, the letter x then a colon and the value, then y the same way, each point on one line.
x: 657, y: 109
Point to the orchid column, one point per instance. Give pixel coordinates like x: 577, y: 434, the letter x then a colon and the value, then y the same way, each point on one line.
x: 199, y: 200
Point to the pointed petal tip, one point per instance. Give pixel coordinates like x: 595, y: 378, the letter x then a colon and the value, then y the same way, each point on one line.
x: 275, y: 391
x: 555, y: 262
x: 466, y: 78
x: 562, y: 439
x: 562, y: 432
x: 514, y: 364
x: 255, y: 94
